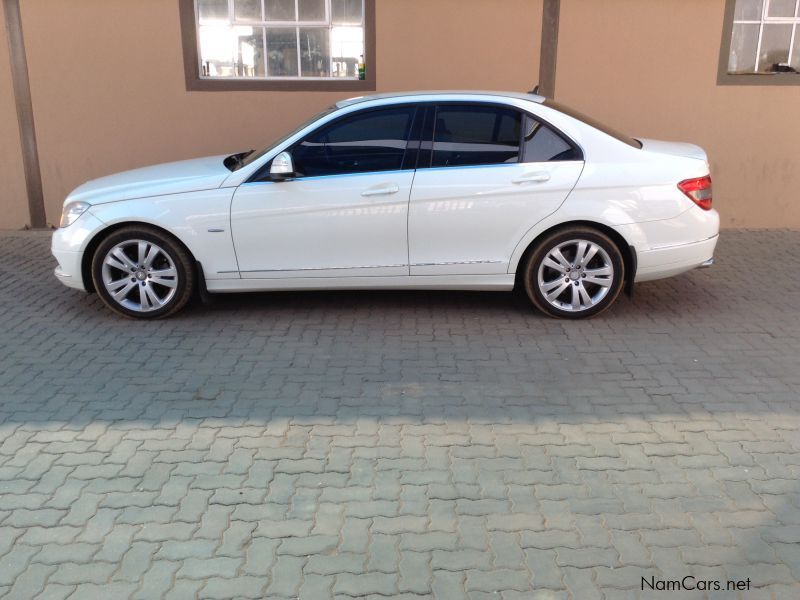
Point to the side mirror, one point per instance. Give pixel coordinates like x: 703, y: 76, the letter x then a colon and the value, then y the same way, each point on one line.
x: 282, y: 167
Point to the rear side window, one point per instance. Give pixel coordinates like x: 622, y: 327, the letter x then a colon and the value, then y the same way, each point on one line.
x: 542, y: 144
x: 475, y: 135
x: 365, y: 142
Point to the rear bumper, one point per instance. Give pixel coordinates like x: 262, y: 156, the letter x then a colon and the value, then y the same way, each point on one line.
x: 673, y: 260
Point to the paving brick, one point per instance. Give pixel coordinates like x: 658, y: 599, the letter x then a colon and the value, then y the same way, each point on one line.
x: 135, y: 562
x: 158, y: 580
x: 316, y: 587
x: 550, y: 539
x: 423, y: 542
x: 14, y: 562
x: 54, y: 554
x: 306, y: 546
x: 116, y: 543
x: 448, y: 585
x: 238, y: 587
x: 31, y: 582
x: 344, y: 562
x: 286, y: 576
x: 460, y: 560
x: 115, y: 589
x: 259, y: 556
x: 70, y: 573
x: 365, y: 583
x: 497, y: 580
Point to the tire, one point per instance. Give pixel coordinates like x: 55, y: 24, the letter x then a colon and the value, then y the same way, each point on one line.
x: 143, y: 273
x: 561, y: 286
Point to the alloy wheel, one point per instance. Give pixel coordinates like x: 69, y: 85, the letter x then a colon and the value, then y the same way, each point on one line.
x: 139, y: 275
x: 575, y: 275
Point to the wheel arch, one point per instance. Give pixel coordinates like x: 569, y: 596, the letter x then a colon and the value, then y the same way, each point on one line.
x: 99, y: 236
x: 626, y: 249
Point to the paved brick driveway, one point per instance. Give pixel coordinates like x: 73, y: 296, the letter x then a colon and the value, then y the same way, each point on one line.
x: 414, y: 444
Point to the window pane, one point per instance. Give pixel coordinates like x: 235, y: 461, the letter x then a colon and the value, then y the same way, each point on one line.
x: 311, y: 10
x: 774, y: 46
x: 475, y: 135
x: 373, y: 141
x: 781, y: 8
x: 315, y: 56
x: 282, y: 52
x: 542, y: 144
x: 279, y: 10
x: 216, y: 50
x: 748, y: 10
x: 346, y: 12
x: 247, y: 10
x: 212, y: 10
x: 347, y: 47
x: 744, y: 45
x: 249, y: 51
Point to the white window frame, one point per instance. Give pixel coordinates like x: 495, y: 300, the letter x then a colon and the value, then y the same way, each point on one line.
x: 296, y: 25
x: 766, y: 20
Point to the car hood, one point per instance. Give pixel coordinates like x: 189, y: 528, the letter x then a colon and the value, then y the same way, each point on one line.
x: 673, y: 148
x: 169, y: 178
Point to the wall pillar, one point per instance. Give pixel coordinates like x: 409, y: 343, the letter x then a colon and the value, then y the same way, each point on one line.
x: 22, y: 98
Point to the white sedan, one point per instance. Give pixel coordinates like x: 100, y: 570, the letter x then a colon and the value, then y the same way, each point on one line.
x: 424, y: 190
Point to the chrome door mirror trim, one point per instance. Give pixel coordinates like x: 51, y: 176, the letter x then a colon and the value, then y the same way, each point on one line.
x: 282, y: 167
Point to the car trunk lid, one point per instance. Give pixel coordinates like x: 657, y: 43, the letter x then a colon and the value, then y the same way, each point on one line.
x: 673, y: 148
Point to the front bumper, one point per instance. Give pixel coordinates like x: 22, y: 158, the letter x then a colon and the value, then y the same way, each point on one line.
x: 69, y: 244
x: 68, y: 270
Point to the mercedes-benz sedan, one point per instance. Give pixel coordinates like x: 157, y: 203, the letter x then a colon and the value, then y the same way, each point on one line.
x: 424, y: 190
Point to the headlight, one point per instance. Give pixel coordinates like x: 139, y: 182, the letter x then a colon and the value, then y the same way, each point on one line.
x: 72, y: 211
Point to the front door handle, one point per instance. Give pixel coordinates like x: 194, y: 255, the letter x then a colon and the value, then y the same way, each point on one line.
x: 381, y: 190
x: 537, y: 177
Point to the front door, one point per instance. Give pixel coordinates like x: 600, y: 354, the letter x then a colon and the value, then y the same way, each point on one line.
x: 491, y: 174
x: 345, y: 214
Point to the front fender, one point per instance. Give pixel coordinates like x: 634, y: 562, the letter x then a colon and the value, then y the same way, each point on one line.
x: 200, y: 220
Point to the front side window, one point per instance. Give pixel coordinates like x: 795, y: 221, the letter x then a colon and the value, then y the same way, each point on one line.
x: 765, y: 37
x: 281, y: 39
x: 475, y: 135
x: 375, y: 140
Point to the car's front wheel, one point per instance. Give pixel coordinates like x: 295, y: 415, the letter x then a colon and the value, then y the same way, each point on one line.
x: 574, y: 273
x: 142, y: 272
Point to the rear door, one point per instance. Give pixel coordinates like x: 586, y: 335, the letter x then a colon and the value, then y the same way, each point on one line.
x: 486, y: 174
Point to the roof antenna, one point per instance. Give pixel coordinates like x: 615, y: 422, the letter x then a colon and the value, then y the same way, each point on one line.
x: 535, y: 90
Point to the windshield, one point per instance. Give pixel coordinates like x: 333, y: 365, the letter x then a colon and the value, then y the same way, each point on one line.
x: 254, y: 156
x: 593, y: 123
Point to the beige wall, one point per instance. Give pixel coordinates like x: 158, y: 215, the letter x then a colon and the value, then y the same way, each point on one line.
x: 108, y: 89
x: 108, y: 86
x: 13, y: 199
x: 649, y: 68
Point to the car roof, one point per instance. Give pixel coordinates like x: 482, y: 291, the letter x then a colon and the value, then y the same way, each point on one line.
x: 434, y: 94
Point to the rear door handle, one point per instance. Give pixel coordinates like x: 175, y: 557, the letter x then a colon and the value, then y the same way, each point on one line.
x: 537, y: 177
x: 382, y: 190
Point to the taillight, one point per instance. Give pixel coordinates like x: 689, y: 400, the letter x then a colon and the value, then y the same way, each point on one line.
x: 698, y: 190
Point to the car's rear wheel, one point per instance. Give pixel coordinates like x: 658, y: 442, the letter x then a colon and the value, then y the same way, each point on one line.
x: 574, y: 273
x: 142, y: 272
